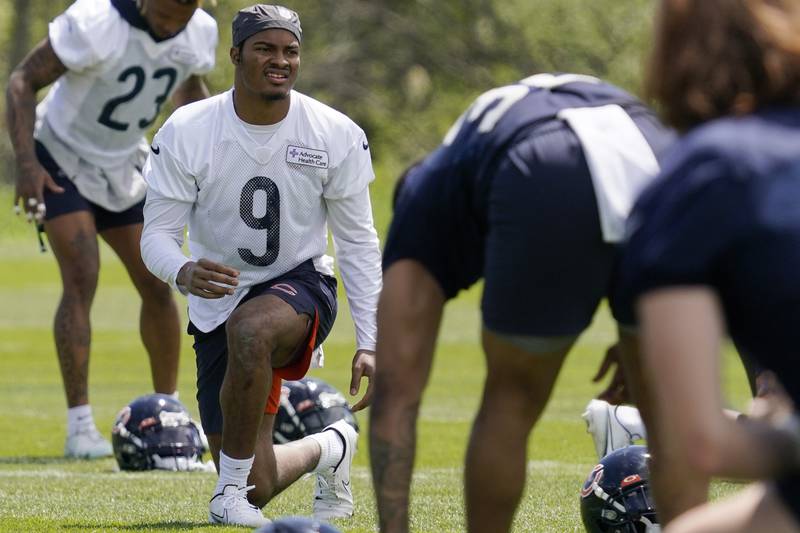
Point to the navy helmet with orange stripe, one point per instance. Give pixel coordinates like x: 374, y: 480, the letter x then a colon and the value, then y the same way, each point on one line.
x: 155, y: 431
x: 308, y: 406
x: 615, y: 498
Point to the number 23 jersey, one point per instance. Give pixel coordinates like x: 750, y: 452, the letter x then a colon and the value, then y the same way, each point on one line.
x: 263, y: 207
x: 119, y: 76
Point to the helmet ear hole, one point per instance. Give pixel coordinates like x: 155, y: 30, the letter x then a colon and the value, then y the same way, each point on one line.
x: 615, y: 498
x: 155, y: 432
x: 308, y: 406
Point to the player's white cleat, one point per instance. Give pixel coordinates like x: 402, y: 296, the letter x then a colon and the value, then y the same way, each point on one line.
x: 612, y: 426
x: 333, y: 497
x: 87, y: 444
x: 231, y: 507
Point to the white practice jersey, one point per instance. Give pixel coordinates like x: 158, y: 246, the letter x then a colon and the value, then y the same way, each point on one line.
x: 118, y: 78
x: 263, y: 208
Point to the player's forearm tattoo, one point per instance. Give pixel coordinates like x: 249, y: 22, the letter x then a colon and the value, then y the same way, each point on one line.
x: 392, y: 463
x: 39, y: 68
x: 20, y: 117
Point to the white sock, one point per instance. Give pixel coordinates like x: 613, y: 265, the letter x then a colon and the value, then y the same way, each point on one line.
x: 331, y: 446
x: 79, y: 419
x: 174, y: 395
x: 233, y: 471
x: 629, y: 417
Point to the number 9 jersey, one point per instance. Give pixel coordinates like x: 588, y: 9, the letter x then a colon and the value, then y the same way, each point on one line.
x: 262, y: 202
x: 119, y: 76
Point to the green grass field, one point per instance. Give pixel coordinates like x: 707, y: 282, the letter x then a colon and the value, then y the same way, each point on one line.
x: 41, y: 491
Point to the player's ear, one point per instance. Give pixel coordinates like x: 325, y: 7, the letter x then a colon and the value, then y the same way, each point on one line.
x: 236, y: 55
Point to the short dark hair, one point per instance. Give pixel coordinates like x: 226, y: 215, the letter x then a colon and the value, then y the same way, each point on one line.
x: 712, y: 58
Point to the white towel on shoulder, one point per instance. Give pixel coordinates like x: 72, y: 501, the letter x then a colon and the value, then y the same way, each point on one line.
x: 619, y: 158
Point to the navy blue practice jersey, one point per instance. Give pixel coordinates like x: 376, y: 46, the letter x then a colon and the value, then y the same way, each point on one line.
x: 441, y: 213
x: 501, y: 116
x: 725, y: 213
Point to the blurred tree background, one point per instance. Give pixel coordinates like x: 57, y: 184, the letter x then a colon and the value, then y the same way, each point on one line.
x: 405, y: 69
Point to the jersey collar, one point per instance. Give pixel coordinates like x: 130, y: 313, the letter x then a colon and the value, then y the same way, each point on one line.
x: 261, y: 153
x: 128, y: 11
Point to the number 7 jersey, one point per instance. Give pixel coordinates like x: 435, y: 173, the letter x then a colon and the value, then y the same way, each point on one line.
x: 119, y: 76
x: 263, y: 207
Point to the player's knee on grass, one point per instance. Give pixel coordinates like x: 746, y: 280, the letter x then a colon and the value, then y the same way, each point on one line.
x: 264, y: 489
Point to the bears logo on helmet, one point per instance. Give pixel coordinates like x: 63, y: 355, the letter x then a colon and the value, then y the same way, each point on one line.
x: 155, y: 431
x: 615, y: 498
x: 308, y: 406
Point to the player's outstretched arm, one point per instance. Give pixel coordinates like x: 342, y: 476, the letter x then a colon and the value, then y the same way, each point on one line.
x: 359, y: 255
x: 191, y: 90
x: 40, y: 68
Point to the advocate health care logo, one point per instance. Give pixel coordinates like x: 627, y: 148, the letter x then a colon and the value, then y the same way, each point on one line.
x: 306, y: 156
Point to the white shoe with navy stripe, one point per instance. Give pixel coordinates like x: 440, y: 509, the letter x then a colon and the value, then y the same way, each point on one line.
x: 232, y: 508
x: 333, y: 497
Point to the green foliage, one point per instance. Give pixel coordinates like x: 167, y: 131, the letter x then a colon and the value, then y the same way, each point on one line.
x: 405, y: 70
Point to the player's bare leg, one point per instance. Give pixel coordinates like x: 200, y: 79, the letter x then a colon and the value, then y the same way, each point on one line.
x: 159, y: 321
x: 74, y: 242
x: 518, y: 386
x: 275, y: 466
x: 262, y: 333
x: 676, y: 488
x: 409, y: 314
x: 265, y: 333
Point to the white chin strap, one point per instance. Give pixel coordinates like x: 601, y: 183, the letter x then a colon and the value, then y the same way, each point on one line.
x: 603, y: 495
x: 650, y: 527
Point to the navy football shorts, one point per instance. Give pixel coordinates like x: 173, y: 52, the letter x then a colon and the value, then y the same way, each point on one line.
x: 71, y: 200
x: 533, y: 234
x: 308, y: 292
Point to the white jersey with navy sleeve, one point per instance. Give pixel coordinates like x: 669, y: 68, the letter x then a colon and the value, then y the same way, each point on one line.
x: 263, y: 208
x: 119, y: 76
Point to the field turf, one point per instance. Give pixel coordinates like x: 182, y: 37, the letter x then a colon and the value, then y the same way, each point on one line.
x: 41, y: 491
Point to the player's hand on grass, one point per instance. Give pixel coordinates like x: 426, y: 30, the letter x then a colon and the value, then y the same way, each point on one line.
x: 617, y: 392
x: 32, y: 179
x: 363, y: 367
x: 207, y: 279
